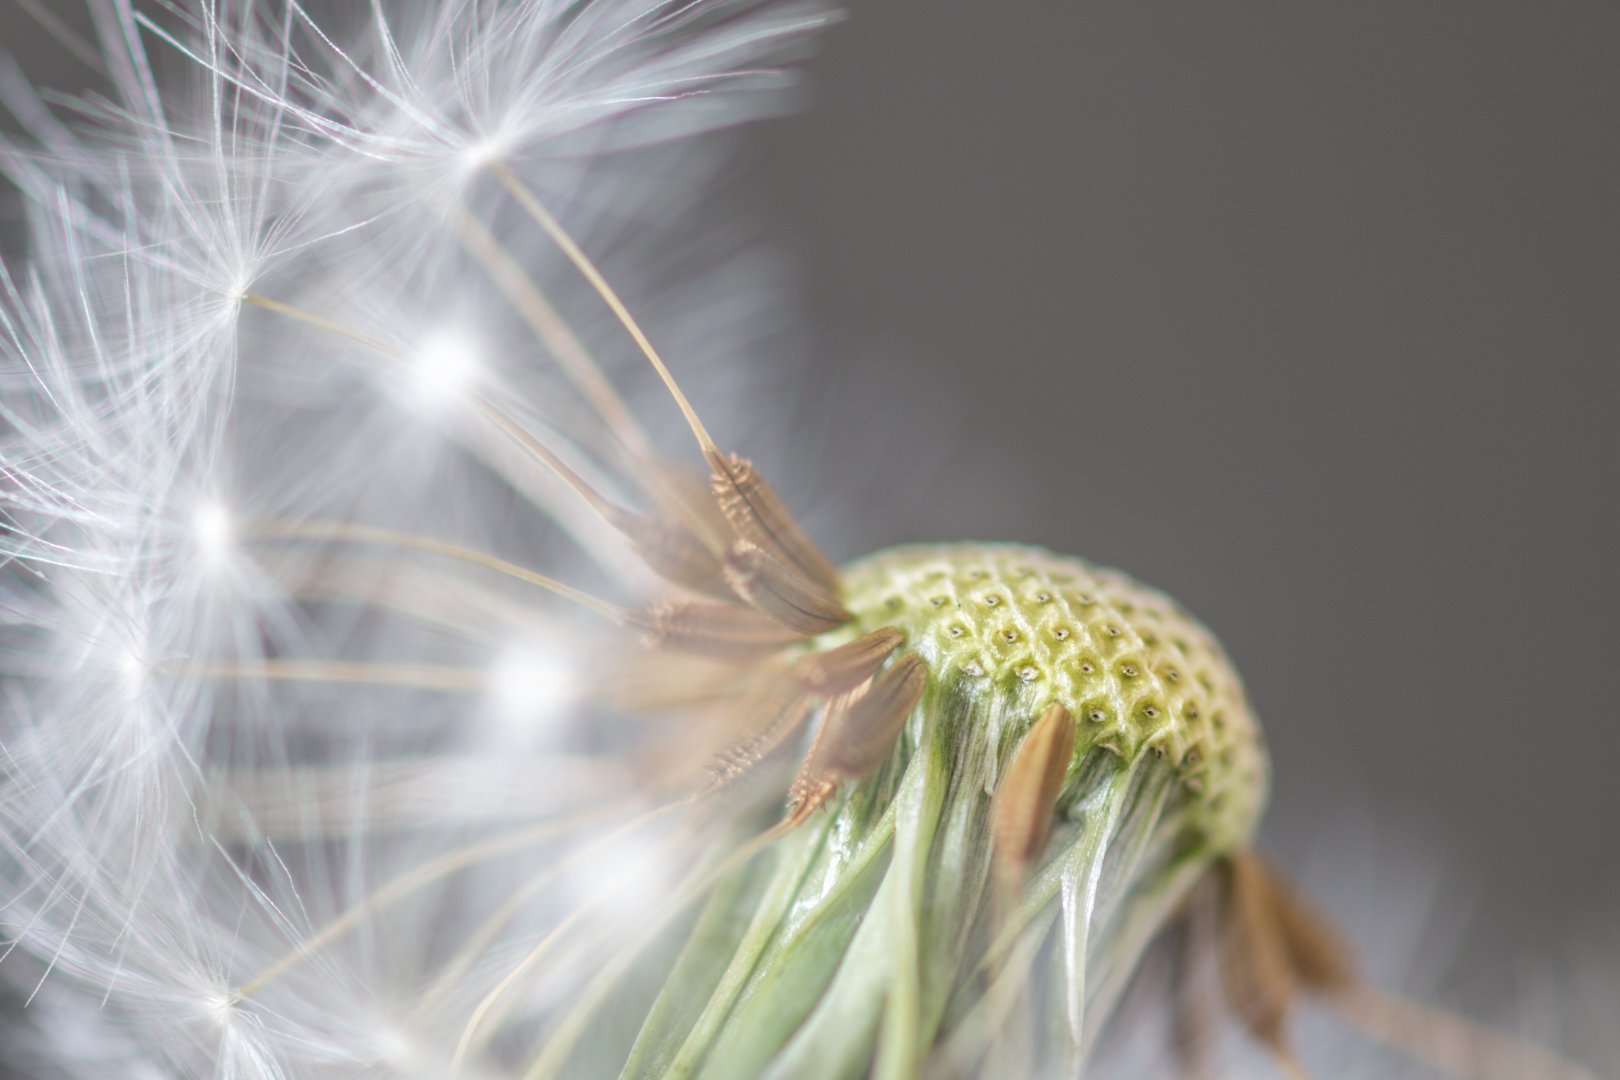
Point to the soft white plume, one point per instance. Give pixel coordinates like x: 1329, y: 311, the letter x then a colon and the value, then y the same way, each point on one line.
x: 262, y: 287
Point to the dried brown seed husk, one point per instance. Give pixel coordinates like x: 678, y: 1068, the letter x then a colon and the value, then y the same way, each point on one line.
x: 860, y: 736
x: 686, y: 537
x: 685, y: 495
x: 1257, y: 972
x: 772, y: 719
x: 1026, y: 797
x: 779, y: 591
x: 676, y: 554
x: 1273, y: 944
x: 757, y: 515
x: 841, y: 669
x: 679, y: 541
x: 724, y: 737
x: 1319, y: 958
x: 768, y: 716
x: 859, y: 732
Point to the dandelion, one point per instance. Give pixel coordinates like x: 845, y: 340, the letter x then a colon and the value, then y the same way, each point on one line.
x: 389, y: 691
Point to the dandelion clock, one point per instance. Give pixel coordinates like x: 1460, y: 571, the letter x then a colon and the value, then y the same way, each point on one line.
x: 409, y: 671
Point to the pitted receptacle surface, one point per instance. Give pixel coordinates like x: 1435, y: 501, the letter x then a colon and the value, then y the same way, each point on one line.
x: 1136, y: 672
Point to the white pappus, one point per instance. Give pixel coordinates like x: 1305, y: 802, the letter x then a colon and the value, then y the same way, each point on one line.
x: 266, y: 283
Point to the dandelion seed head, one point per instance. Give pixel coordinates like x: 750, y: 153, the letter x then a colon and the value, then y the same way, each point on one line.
x: 315, y: 779
x: 1028, y: 626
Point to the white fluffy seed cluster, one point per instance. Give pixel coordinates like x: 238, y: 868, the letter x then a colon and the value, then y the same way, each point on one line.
x: 277, y: 274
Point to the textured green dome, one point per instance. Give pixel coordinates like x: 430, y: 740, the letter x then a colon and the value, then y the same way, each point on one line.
x: 1135, y: 670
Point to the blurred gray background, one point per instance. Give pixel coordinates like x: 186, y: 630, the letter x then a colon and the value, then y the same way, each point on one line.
x: 1307, y: 314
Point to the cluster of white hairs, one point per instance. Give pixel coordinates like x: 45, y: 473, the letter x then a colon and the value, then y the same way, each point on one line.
x: 282, y: 779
